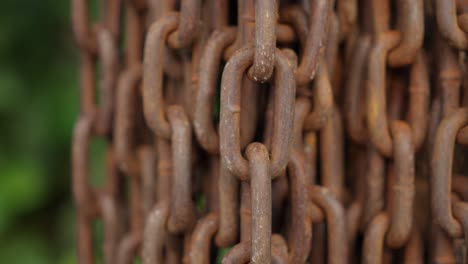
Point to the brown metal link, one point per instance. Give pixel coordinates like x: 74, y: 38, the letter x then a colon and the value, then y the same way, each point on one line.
x: 266, y: 12
x: 300, y: 233
x: 411, y: 23
x: 442, y: 171
x: 209, y: 67
x: 335, y: 217
x: 153, y: 99
x: 365, y: 161
x: 230, y: 107
x: 182, y: 209
x: 201, y: 238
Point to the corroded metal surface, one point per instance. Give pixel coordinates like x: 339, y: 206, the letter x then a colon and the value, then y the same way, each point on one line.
x: 269, y: 131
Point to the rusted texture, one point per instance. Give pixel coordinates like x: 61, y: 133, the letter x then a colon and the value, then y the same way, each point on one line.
x: 188, y: 26
x: 449, y: 78
x: 107, y: 50
x: 111, y: 222
x: 419, y: 93
x: 402, y: 186
x: 241, y: 252
x: 373, y: 248
x: 228, y: 188
x: 347, y: 11
x: 411, y: 25
x: 331, y: 152
x: 354, y: 91
x: 379, y: 132
x: 370, y: 144
x: 300, y: 233
x: 374, y: 186
x: 266, y: 15
x: 441, y: 176
x: 209, y: 67
x: 84, y: 35
x: 295, y: 16
x: 260, y: 181
x: 336, y: 226
x: 153, y: 98
x: 182, y: 209
x: 82, y: 193
x: 323, y: 102
x: 125, y: 121
x: 316, y: 41
x: 447, y: 21
x: 128, y: 248
x: 155, y: 233
x: 230, y: 107
x: 201, y: 239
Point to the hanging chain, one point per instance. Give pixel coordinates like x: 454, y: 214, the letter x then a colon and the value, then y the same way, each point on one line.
x: 266, y: 131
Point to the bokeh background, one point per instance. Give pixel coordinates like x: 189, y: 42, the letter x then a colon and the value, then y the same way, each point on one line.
x: 38, y: 106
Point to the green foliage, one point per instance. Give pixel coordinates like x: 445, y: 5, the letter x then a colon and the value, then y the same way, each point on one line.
x: 38, y: 106
x: 221, y: 253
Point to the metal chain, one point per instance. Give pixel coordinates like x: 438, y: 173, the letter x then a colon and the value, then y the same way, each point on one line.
x: 264, y: 131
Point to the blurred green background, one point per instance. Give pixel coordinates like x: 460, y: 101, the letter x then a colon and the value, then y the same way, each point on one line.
x: 38, y: 105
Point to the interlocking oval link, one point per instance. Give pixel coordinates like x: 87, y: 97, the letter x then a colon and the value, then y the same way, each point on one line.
x: 410, y: 17
x: 374, y: 187
x: 266, y: 15
x: 188, y: 25
x: 241, y: 252
x: 267, y: 159
x: 81, y: 25
x: 374, y: 240
x: 332, y: 158
x: 153, y: 98
x: 354, y: 91
x: 82, y: 192
x: 376, y: 98
x: 347, y: 11
x: 449, y: 77
x: 182, y: 209
x: 446, y: 15
x: 418, y: 105
x: 201, y: 238
x: 230, y: 110
x: 228, y: 188
x: 336, y: 227
x: 209, y: 67
x: 125, y: 122
x: 260, y: 181
x: 110, y: 217
x: 83, y: 195
x: 316, y: 41
x: 300, y: 234
x: 402, y: 186
x: 297, y: 17
x: 154, y: 234
x: 441, y: 176
x: 323, y: 102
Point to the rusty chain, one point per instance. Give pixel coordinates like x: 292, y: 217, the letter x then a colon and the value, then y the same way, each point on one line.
x: 266, y: 131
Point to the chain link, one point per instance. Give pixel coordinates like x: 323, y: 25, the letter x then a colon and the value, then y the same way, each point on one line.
x: 270, y: 131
